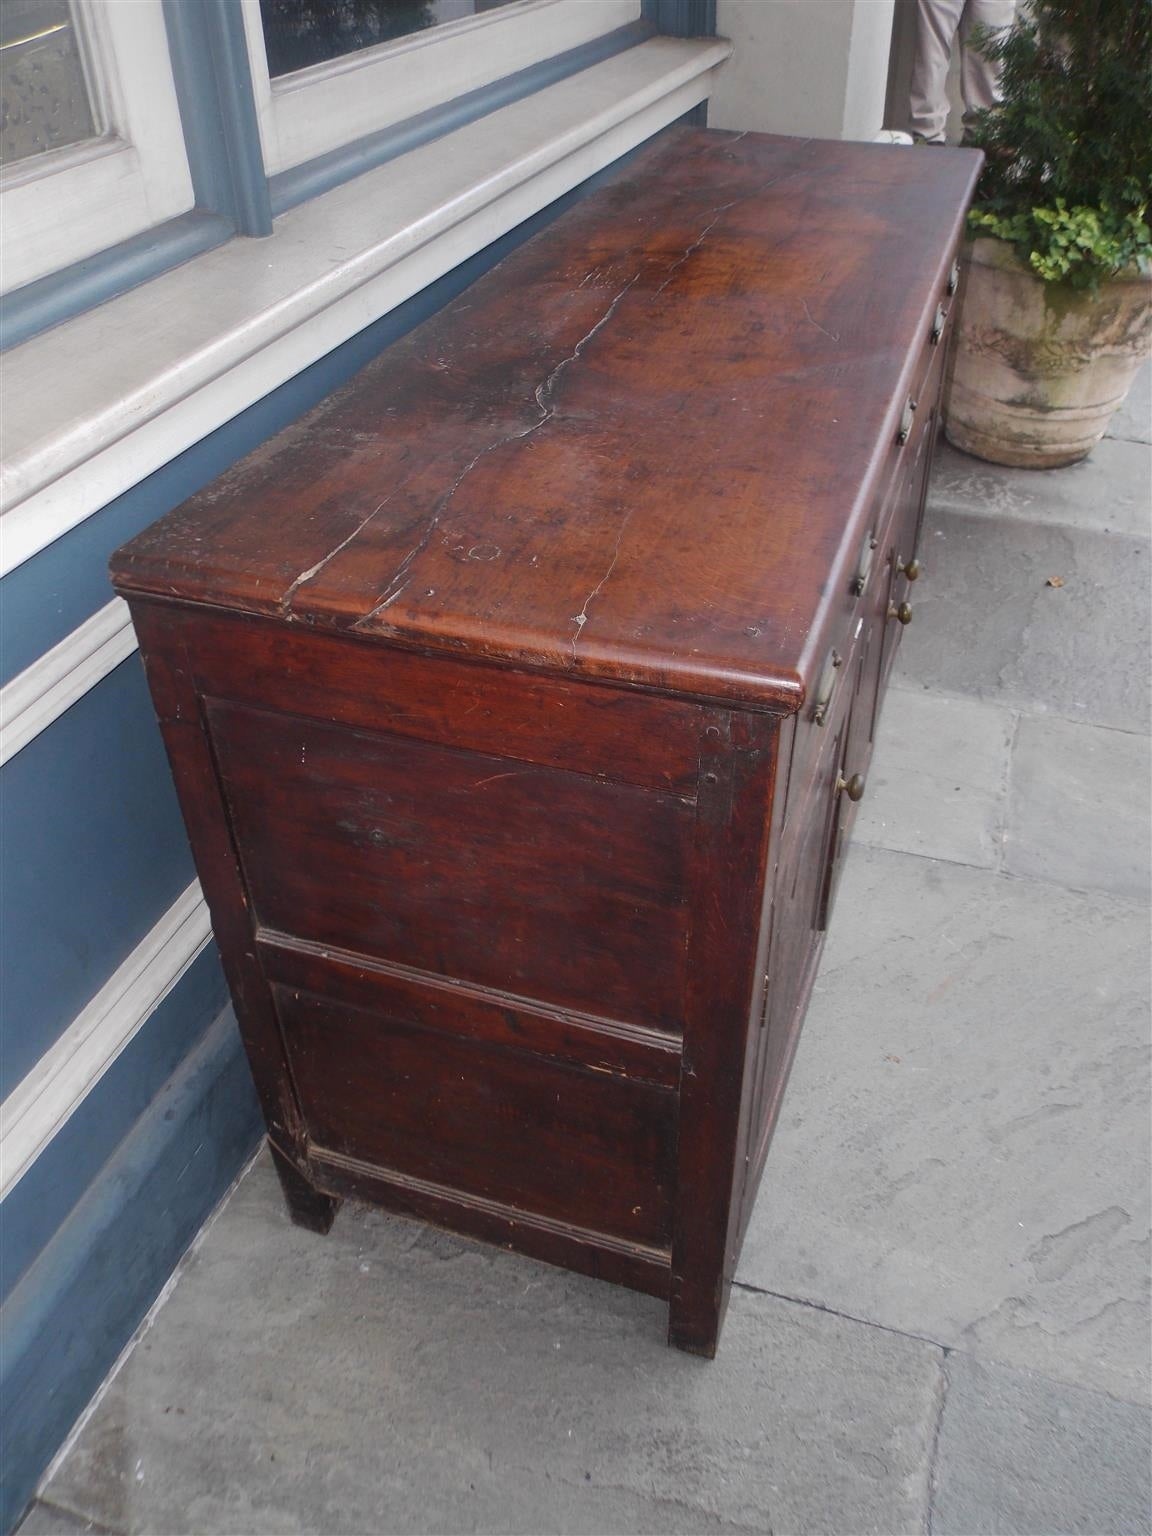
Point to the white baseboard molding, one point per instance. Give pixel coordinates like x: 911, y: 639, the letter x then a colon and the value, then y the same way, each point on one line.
x: 38, y: 1106
x: 101, y: 401
x: 53, y: 683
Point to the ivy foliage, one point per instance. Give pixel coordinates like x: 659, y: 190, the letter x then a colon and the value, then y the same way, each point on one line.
x: 1068, y: 178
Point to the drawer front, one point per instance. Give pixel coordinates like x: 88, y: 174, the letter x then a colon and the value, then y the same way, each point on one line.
x: 819, y: 724
x: 868, y: 616
x: 939, y: 335
x: 903, y: 523
x: 504, y: 1126
x: 886, y: 600
x: 851, y: 752
x: 535, y: 882
x: 920, y: 407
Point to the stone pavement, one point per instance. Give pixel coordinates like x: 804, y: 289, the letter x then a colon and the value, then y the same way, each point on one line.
x: 941, y: 1321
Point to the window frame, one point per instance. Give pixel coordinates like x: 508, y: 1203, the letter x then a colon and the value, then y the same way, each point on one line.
x: 132, y: 177
x: 207, y: 54
x: 313, y: 112
x: 111, y: 394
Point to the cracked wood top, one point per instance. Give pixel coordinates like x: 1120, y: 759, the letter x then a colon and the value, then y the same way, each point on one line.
x: 641, y: 448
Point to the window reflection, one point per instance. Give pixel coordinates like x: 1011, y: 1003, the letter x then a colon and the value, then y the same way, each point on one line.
x: 298, y: 33
x: 44, y: 98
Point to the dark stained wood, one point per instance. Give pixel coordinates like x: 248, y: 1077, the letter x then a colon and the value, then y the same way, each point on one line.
x: 205, y: 817
x: 727, y: 951
x: 401, y: 851
x: 490, y: 691
x: 588, y: 1251
x: 308, y: 1206
x: 594, y: 480
x: 463, y: 1114
x: 627, y: 1049
x: 632, y: 738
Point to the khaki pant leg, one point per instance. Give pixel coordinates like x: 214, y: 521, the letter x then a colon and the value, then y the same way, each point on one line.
x: 980, y: 79
x: 937, y: 22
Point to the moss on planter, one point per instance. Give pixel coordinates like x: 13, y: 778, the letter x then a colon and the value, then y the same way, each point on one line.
x: 1039, y: 367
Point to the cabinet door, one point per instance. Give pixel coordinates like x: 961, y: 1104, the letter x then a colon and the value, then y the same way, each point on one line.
x: 797, y: 923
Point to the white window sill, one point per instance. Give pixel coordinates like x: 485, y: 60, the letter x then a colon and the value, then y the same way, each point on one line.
x: 103, y: 400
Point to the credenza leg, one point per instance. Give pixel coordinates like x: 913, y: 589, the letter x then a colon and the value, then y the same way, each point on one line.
x: 307, y: 1206
x: 695, y: 1318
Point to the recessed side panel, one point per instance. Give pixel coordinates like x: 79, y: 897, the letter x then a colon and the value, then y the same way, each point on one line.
x: 548, y: 885
x: 542, y: 1136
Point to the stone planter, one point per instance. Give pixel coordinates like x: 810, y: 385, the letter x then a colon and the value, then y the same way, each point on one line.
x: 1038, y: 368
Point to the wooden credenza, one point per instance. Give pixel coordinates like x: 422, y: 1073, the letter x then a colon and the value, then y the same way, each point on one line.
x: 519, y: 697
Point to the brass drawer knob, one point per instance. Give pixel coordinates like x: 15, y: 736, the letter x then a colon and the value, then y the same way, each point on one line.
x: 853, y: 787
x: 901, y: 611
x: 910, y: 569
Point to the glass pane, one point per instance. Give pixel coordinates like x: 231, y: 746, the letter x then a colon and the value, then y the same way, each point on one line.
x: 44, y: 100
x: 302, y: 32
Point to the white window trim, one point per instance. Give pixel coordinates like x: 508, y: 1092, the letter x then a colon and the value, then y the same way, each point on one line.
x: 103, y: 400
x: 57, y: 208
x: 313, y: 111
x: 39, y: 1106
x: 39, y: 695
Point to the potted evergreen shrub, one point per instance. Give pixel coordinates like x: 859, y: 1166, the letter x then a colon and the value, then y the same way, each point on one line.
x: 1057, y: 303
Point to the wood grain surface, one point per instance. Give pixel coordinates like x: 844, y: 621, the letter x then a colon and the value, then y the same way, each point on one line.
x: 520, y: 696
x: 600, y: 458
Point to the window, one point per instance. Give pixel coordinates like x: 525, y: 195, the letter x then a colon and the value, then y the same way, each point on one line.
x: 43, y: 84
x: 298, y: 33
x: 98, y: 403
x: 448, y: 49
x: 93, y: 146
x: 137, y: 134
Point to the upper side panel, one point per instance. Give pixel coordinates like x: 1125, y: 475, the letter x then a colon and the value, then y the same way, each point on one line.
x: 635, y: 449
x: 554, y: 886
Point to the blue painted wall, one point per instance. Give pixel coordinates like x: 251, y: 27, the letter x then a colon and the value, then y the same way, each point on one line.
x: 38, y: 1206
x: 94, y: 854
x: 67, y: 1319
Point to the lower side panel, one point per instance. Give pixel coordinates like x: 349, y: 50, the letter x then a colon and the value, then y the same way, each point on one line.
x: 493, y: 1127
x: 640, y: 1267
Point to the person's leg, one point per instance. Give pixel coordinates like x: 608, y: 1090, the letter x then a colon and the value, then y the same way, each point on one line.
x: 936, y: 24
x: 979, y: 77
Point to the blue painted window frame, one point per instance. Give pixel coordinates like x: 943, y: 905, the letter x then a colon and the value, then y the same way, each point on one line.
x: 234, y: 196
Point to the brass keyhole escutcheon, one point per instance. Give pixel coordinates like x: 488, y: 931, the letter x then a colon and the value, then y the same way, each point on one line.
x: 900, y: 611
x: 938, y: 324
x: 853, y: 787
x: 864, y: 564
x: 906, y: 419
x: 825, y: 686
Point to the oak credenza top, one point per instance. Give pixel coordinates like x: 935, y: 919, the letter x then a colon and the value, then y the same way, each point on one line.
x: 639, y: 449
